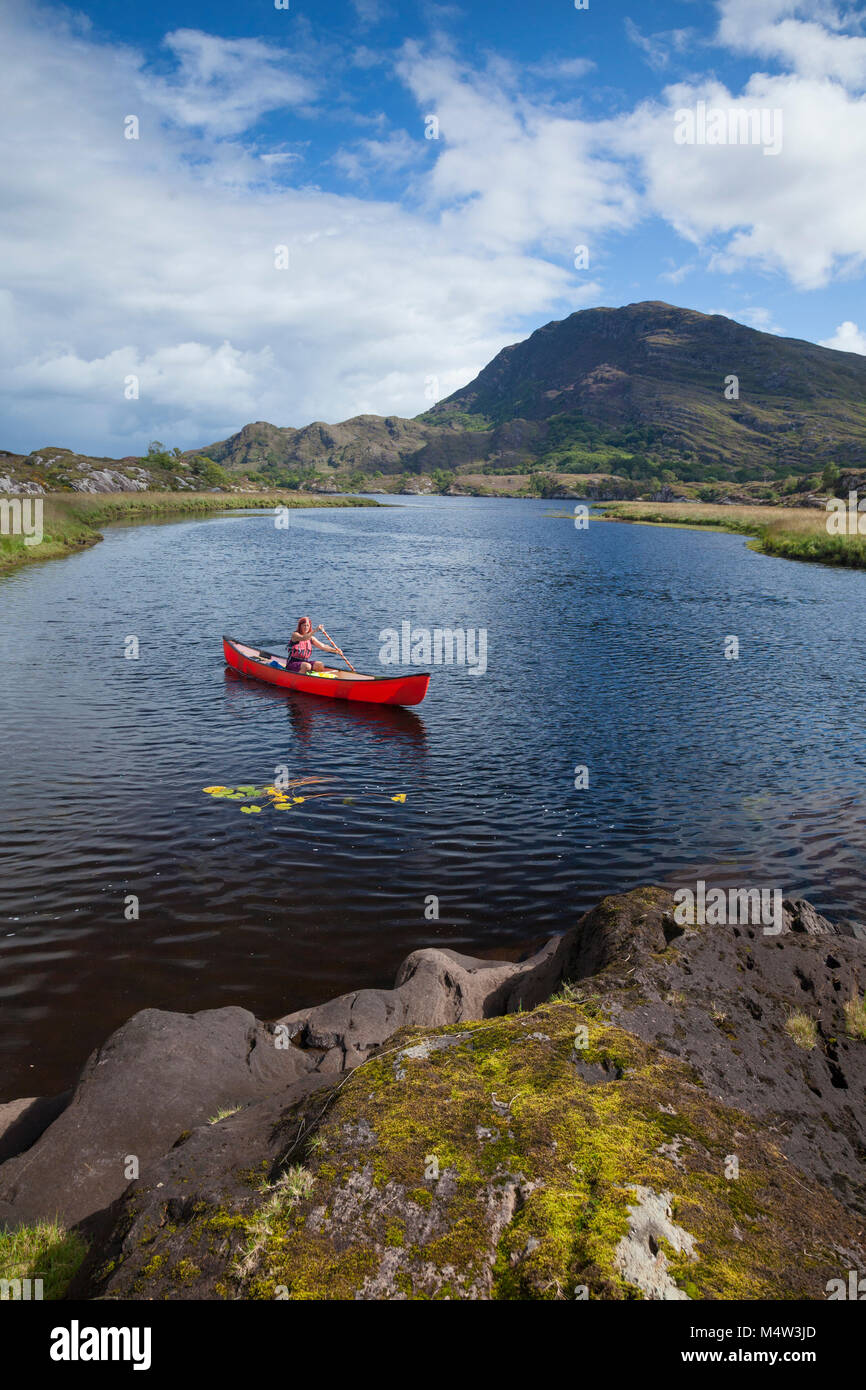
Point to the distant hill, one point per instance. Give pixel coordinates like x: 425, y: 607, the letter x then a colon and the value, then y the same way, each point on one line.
x: 55, y: 469
x: 636, y: 392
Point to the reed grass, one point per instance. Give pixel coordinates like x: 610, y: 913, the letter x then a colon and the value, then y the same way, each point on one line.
x: 791, y: 533
x: 71, y: 521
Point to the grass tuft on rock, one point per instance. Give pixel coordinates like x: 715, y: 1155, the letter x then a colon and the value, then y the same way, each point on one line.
x: 802, y: 1029
x: 46, y: 1251
x: 223, y: 1114
x: 855, y: 1018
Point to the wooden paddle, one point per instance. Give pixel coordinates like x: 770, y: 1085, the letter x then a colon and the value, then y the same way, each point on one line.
x: 339, y: 650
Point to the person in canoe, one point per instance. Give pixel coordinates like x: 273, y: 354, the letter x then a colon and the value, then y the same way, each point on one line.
x: 300, y: 658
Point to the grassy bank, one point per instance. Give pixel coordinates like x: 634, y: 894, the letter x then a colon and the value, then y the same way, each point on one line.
x: 791, y: 533
x: 72, y: 520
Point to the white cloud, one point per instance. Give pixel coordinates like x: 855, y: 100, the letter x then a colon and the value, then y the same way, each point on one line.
x: 677, y: 273
x: 225, y: 85
x: 156, y: 257
x: 511, y: 173
x: 752, y: 315
x: 562, y: 69
x: 808, y: 36
x: 658, y: 47
x: 396, y: 152
x: 370, y: 11
x: 213, y: 377
x: 847, y: 338
x: 799, y: 212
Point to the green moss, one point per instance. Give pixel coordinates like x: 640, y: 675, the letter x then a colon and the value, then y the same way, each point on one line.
x: 680, y: 1126
x: 557, y: 1155
x: 323, y: 1274
x: 500, y: 1171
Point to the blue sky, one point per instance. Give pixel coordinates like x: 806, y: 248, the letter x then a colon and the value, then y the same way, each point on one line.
x: 408, y: 262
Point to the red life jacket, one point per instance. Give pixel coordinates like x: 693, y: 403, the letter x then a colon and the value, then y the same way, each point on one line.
x: 301, y: 651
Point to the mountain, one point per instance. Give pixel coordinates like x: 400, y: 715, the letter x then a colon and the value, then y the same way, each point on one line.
x: 634, y: 390
x: 637, y: 392
x: 653, y: 376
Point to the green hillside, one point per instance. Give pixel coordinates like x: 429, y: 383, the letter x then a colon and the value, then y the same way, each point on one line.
x: 649, y: 380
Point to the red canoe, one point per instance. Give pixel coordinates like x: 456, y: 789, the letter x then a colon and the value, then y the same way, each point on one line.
x: 381, y: 690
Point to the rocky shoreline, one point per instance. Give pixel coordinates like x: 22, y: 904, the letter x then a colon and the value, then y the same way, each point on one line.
x: 684, y: 1118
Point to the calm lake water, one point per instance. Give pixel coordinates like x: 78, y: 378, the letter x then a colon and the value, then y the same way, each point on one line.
x: 605, y: 649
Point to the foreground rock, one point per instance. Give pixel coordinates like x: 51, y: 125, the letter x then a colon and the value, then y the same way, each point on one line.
x: 684, y: 1120
x: 157, y: 1076
x: 162, y: 1074
x: 495, y: 1160
x: 23, y: 1121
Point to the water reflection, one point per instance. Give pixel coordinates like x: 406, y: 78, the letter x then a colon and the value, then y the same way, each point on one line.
x: 310, y: 716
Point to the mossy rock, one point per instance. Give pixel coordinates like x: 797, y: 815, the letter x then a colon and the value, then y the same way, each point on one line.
x: 540, y: 1174
x: 612, y: 1143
